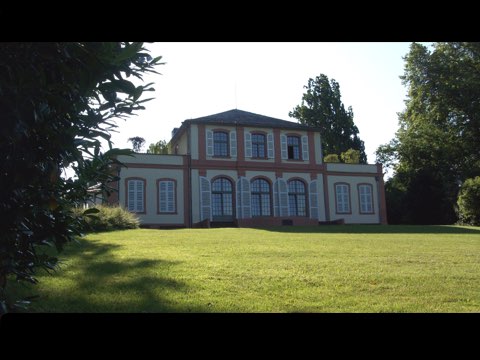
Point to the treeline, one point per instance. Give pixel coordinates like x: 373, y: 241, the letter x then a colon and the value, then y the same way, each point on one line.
x: 435, y: 153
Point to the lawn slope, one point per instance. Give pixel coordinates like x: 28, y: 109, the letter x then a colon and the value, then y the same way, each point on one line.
x: 288, y: 269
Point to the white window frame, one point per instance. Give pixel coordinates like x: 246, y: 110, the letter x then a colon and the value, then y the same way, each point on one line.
x: 342, y: 198
x: 365, y: 198
x: 166, y: 196
x: 136, y: 188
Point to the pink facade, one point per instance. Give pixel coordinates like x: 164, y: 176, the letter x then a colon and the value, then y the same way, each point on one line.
x: 242, y: 169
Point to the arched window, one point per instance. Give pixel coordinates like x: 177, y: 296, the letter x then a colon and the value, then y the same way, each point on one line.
x: 297, y: 198
x: 222, y: 199
x: 261, y: 199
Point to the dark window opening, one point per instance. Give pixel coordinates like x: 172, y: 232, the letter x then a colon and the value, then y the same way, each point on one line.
x: 293, y: 147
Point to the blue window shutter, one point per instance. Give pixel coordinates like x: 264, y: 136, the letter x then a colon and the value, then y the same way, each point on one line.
x: 246, y: 208
x: 305, y: 155
x: 135, y: 200
x: 131, y: 195
x: 270, y: 146
x: 205, y: 199
x: 314, y: 214
x: 283, y: 143
x: 282, y: 197
x: 233, y: 143
x: 239, y: 199
x: 209, y: 135
x: 248, y: 145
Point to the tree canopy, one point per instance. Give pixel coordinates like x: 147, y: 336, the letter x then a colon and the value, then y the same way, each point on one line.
x: 160, y: 147
x: 322, y: 107
x: 437, y: 147
x: 58, y: 101
x: 469, y: 202
x: 137, y: 143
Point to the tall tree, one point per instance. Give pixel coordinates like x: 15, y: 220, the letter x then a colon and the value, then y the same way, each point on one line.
x: 322, y: 107
x: 137, y: 143
x: 469, y: 202
x: 160, y: 147
x: 439, y: 130
x: 58, y: 100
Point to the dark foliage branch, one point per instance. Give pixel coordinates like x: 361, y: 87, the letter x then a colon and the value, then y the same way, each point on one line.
x: 58, y: 101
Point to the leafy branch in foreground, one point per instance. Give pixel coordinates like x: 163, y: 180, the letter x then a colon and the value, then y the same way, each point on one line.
x: 58, y: 102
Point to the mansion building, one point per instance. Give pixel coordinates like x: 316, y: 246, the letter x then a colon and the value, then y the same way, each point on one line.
x: 238, y: 168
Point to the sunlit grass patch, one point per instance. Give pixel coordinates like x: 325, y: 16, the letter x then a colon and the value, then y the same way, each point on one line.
x: 288, y: 269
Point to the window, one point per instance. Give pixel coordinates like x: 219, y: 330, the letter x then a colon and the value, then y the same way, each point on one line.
x: 260, y: 190
x: 222, y: 197
x: 342, y: 196
x: 220, y: 143
x: 258, y: 146
x: 365, y: 195
x: 293, y: 147
x: 297, y: 198
x: 136, y: 195
x: 166, y: 196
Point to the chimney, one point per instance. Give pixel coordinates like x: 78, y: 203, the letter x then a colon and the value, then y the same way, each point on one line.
x: 174, y: 131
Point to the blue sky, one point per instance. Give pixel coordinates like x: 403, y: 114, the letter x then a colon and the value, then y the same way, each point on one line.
x: 201, y: 79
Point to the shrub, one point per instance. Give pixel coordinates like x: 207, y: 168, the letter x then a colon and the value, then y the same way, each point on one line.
x: 469, y: 202
x: 351, y: 156
x: 109, y: 218
x: 331, y: 158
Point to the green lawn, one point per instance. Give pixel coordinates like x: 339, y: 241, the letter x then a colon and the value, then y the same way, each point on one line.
x: 289, y: 269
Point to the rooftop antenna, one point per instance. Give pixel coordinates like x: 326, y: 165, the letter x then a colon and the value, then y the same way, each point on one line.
x: 236, y: 95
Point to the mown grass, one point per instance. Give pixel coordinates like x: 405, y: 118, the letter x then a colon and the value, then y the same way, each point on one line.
x: 288, y: 269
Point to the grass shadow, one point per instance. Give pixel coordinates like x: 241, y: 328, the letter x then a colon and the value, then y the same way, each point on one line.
x: 377, y: 229
x: 94, y: 281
